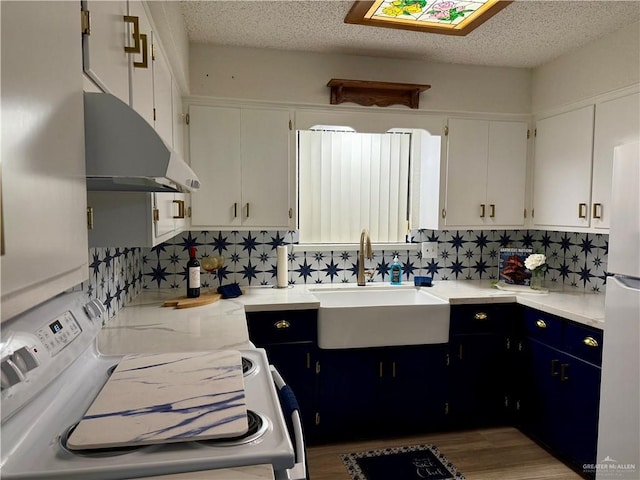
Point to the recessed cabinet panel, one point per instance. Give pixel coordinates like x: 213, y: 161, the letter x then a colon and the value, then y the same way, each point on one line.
x: 468, y: 146
x: 507, y: 170
x: 562, y: 169
x: 214, y: 139
x: 104, y: 58
x: 142, y: 68
x: 162, y: 96
x: 265, y: 167
x: 617, y: 123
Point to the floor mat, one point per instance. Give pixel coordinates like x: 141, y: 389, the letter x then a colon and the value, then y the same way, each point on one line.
x: 414, y: 462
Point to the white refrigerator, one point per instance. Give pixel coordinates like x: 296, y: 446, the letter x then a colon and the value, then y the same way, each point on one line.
x: 619, y: 425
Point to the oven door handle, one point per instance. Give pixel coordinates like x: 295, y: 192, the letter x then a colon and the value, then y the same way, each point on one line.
x: 299, y: 470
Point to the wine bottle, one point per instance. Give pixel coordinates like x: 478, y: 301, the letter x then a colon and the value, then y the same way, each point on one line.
x: 193, y: 275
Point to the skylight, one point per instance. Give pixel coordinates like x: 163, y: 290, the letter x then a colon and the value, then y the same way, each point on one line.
x: 449, y: 17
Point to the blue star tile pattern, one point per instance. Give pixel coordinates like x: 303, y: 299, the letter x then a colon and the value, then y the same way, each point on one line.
x: 249, y: 243
x: 331, y: 270
x: 304, y: 270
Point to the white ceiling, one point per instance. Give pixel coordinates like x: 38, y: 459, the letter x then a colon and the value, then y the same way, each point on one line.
x: 527, y: 33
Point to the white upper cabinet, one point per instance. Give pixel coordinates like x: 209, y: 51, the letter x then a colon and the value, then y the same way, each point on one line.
x: 617, y: 123
x: 243, y: 162
x: 562, y: 170
x: 43, y: 169
x: 162, y: 95
x: 142, y: 94
x: 105, y: 35
x: 485, y: 174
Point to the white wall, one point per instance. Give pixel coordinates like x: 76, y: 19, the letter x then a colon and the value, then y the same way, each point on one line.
x: 605, y: 65
x: 296, y: 77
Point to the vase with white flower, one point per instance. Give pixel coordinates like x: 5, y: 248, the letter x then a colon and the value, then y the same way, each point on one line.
x: 536, y: 263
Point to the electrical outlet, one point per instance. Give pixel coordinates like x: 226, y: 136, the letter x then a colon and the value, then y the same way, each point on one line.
x: 429, y: 249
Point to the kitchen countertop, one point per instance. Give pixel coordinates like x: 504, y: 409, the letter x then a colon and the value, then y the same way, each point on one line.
x: 222, y: 325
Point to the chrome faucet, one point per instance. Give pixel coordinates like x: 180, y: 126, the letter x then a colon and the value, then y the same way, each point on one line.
x: 365, y: 244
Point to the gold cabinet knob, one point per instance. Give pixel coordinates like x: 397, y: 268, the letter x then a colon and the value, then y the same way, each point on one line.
x: 590, y: 342
x: 480, y: 316
x: 281, y: 324
x: 541, y: 323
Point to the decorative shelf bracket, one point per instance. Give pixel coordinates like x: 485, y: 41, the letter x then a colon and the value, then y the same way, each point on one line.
x: 381, y: 94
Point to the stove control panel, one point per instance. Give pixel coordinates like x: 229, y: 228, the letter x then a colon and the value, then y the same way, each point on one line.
x: 59, y: 333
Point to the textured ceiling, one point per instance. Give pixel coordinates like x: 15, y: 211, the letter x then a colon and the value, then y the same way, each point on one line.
x: 527, y: 33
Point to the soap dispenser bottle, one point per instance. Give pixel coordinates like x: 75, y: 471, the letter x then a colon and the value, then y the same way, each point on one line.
x: 396, y: 271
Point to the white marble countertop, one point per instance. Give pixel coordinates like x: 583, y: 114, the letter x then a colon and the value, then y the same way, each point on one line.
x: 145, y: 326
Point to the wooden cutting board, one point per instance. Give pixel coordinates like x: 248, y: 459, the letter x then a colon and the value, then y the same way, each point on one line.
x: 164, y: 398
x: 186, y: 302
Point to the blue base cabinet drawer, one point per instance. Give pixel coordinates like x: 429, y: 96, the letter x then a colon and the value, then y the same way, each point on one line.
x: 266, y: 328
x: 584, y: 342
x: 544, y: 327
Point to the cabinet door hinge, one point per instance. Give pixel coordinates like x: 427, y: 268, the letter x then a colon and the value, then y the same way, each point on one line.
x: 291, y: 213
x: 508, y: 343
x: 188, y: 212
x: 317, y: 368
x: 290, y: 125
x: 90, y: 218
x: 446, y: 408
x: 525, y: 213
x: 156, y: 215
x: 446, y: 130
x: 444, y: 213
x: 533, y: 212
x: 506, y: 402
x: 317, y: 418
x: 528, y: 134
x: 447, y: 361
x: 535, y: 132
x: 85, y: 22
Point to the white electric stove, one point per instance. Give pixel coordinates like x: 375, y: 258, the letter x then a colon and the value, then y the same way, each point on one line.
x: 51, y: 373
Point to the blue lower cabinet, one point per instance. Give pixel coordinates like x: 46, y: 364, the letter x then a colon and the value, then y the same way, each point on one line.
x: 290, y: 340
x: 382, y: 391
x: 560, y: 399
x: 479, y: 387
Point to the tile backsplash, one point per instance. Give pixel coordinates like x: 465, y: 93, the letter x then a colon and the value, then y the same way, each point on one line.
x: 578, y: 260
x: 117, y: 275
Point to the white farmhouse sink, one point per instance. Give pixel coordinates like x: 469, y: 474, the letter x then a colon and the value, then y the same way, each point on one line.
x: 374, y: 316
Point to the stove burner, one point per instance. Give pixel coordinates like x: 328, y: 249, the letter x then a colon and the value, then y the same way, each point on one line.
x: 258, y: 425
x: 95, y: 452
x: 248, y: 366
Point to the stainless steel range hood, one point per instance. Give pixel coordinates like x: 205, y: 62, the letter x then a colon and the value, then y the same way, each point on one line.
x: 124, y: 153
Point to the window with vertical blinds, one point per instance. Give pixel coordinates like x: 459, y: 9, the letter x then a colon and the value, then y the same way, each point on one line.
x: 349, y: 181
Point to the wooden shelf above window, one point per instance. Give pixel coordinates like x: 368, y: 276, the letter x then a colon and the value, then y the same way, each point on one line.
x: 381, y: 94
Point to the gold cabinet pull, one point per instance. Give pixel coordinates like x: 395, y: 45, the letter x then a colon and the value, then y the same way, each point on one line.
x: 281, y: 324
x: 564, y: 368
x: 308, y: 360
x: 480, y: 316
x: 145, y: 53
x: 136, y: 34
x: 380, y: 369
x: 541, y: 323
x: 482, y: 212
x: 460, y: 352
x: 582, y: 210
x: 492, y: 211
x: 590, y: 342
x: 554, y: 368
x: 597, y: 210
x: 181, y: 209
x: 89, y: 218
x: 393, y: 369
x: 235, y: 210
x: 247, y: 209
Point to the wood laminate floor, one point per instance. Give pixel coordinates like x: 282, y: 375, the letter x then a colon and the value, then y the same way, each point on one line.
x: 487, y: 454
